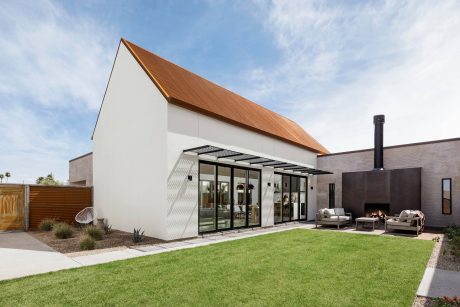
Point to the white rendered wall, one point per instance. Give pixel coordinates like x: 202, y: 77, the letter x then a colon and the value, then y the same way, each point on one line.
x: 129, y: 154
x: 187, y: 129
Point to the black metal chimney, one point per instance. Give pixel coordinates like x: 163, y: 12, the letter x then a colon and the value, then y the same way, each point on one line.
x: 379, y: 120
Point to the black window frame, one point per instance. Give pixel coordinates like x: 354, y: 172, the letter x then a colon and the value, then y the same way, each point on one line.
x: 331, y: 192
x: 298, y: 198
x: 450, y: 195
x: 232, y: 167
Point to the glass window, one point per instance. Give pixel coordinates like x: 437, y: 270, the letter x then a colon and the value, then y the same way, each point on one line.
x: 286, y: 201
x: 239, y: 196
x: 207, y: 198
x: 277, y: 194
x: 229, y: 197
x: 331, y: 195
x: 303, y: 198
x: 223, y: 197
x: 253, y: 198
x: 446, y: 196
x: 294, y: 198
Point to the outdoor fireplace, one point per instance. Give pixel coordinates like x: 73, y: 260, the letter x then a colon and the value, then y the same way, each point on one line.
x: 381, y: 191
x: 376, y: 210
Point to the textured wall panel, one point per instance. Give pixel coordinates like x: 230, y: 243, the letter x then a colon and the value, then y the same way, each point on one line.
x: 61, y: 203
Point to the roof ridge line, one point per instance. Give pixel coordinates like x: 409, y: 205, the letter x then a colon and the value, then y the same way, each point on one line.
x: 144, y: 67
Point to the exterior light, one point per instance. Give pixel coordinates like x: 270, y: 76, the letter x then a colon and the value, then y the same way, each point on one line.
x: 251, y: 186
x: 189, y: 177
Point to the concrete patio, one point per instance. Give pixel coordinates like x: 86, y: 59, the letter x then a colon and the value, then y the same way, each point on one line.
x: 23, y: 255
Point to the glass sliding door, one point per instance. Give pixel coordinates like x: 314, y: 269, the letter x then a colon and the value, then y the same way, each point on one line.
x: 294, y: 198
x: 223, y: 197
x: 207, y: 198
x: 290, y: 197
x: 277, y: 196
x: 239, y: 197
x: 303, y: 196
x: 286, y: 201
x: 253, y: 198
x: 228, y: 197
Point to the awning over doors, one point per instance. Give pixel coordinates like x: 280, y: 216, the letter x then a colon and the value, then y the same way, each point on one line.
x: 221, y: 153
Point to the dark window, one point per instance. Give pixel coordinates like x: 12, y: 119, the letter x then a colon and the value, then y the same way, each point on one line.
x: 447, y: 196
x: 331, y: 195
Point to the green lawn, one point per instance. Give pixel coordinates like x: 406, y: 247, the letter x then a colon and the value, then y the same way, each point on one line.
x: 291, y: 268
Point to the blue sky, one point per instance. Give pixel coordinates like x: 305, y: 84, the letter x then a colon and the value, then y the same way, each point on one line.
x: 329, y: 65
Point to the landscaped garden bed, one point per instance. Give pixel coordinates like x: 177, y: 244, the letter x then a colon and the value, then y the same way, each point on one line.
x: 290, y: 268
x: 70, y: 245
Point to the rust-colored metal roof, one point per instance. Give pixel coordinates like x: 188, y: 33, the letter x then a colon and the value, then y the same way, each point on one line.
x: 188, y: 90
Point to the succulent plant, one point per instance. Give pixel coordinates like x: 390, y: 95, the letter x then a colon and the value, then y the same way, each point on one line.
x: 138, y: 236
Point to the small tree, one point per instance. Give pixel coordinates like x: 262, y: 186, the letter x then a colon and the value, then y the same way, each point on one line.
x: 7, y: 175
x: 48, y: 180
x: 1, y: 178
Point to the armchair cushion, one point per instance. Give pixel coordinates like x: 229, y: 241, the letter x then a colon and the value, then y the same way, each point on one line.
x: 403, y: 215
x: 339, y: 211
x: 335, y: 218
x: 393, y: 222
x: 326, y: 212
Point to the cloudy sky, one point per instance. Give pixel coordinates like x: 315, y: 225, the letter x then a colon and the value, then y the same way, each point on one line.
x: 329, y: 65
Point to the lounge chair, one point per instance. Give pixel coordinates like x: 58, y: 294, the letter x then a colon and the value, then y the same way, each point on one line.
x: 412, y: 220
x: 336, y: 217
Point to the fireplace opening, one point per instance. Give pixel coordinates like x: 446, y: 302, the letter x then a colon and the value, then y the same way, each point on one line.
x: 377, y: 210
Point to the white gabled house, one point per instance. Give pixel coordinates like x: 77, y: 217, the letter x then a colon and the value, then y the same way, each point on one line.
x: 178, y: 155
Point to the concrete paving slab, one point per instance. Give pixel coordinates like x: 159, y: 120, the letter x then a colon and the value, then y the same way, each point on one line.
x: 174, y: 245
x: 23, y: 255
x: 153, y: 248
x: 198, y: 241
x: 438, y: 283
x: 103, y: 257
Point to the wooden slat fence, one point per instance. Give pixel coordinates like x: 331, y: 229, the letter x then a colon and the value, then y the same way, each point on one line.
x: 59, y: 202
x: 11, y: 207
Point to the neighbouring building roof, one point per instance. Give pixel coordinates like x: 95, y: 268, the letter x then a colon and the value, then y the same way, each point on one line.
x: 188, y: 90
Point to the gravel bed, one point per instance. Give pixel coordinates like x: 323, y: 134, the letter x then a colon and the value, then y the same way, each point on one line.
x: 71, y: 245
x: 440, y: 257
x: 421, y: 301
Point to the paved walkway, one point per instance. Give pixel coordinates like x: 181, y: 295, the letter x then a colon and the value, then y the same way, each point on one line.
x: 22, y: 255
x: 438, y: 283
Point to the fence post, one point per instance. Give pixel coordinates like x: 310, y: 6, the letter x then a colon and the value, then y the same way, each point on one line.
x: 26, y: 207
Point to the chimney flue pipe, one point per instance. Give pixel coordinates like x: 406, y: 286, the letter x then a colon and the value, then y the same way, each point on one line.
x: 379, y: 120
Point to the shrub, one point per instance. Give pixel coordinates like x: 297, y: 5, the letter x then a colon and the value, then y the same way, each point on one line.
x: 87, y: 243
x: 452, y: 231
x: 94, y: 232
x: 454, y: 247
x: 46, y: 224
x: 62, y: 231
x: 138, y: 236
x: 447, y: 301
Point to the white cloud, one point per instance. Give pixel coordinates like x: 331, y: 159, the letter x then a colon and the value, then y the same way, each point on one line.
x: 52, y: 57
x: 345, y: 63
x: 54, y: 66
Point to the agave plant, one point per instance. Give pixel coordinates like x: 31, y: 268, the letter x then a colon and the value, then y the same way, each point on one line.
x: 138, y: 236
